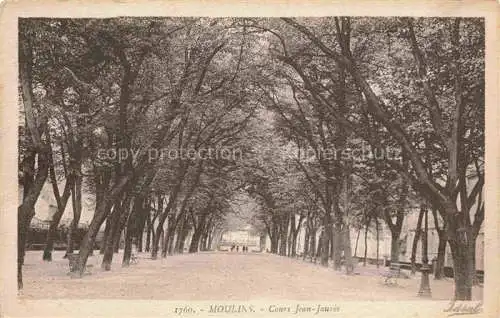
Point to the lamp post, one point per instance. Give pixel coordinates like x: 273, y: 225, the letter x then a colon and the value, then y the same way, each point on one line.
x: 425, y: 289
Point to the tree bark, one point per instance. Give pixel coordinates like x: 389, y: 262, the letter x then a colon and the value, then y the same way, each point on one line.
x: 149, y: 227
x: 439, y: 271
x: 378, y: 240
x: 107, y: 230
x: 274, y: 236
x: 166, y: 236
x: 325, y: 246
x: 185, y: 232
x: 462, y: 267
x: 61, y: 202
x: 346, y: 239
x: 171, y: 240
x: 366, y: 241
x: 312, y: 240
x: 163, y: 216
x: 306, y: 241
x: 127, y: 251
x: 109, y: 239
x: 133, y: 227
x: 457, y: 219
x: 76, y: 195
x: 338, y: 244
x: 416, y: 239
x: 25, y: 211
x: 198, y: 231
x: 356, y: 246
x: 472, y: 261
x: 283, y: 234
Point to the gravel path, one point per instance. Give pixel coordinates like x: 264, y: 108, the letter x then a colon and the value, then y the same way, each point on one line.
x: 222, y: 276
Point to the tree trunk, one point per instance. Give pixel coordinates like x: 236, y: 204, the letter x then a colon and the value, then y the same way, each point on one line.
x: 162, y: 218
x: 274, y: 236
x: 76, y: 195
x: 32, y: 188
x: 395, y: 250
x: 184, y: 235
x: 132, y: 228
x: 28, y: 166
x: 110, y: 238
x: 346, y: 239
x: 312, y: 248
x: 149, y: 227
x: 462, y: 267
x: 107, y: 230
x: 338, y: 244
x: 418, y: 230
x: 127, y: 252
x: 171, y: 241
x: 139, y: 231
x: 317, y: 252
x: 396, y: 227
x: 140, y: 238
x: 334, y: 242
x: 210, y: 240
x: 121, y: 227
x: 195, y: 240
x: 283, y: 235
x: 325, y: 246
x: 61, y: 202
x: 26, y: 211
x: 472, y: 260
x: 306, y: 241
x: 165, y: 237
x: 293, y: 246
x: 378, y: 240
x: 180, y: 231
x: 366, y: 241
x: 102, y: 207
x: 439, y: 270
x: 161, y: 237
x: 356, y: 246
x: 295, y: 236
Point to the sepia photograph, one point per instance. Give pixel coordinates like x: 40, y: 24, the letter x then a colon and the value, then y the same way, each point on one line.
x: 255, y: 165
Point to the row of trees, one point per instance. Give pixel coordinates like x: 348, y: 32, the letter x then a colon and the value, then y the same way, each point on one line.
x: 146, y: 115
x: 412, y: 90
x: 298, y: 99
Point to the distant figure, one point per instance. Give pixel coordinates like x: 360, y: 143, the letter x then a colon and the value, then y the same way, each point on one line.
x: 232, y: 248
x: 237, y: 248
x: 245, y: 249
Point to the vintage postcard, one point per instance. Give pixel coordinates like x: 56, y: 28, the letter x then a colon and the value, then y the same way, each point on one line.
x: 252, y: 159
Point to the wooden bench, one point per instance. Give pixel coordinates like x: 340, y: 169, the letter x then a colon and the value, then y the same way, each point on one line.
x: 391, y: 277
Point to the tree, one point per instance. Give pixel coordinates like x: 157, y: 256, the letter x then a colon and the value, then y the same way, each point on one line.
x: 464, y: 89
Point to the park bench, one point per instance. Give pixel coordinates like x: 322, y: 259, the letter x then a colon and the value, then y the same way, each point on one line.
x: 36, y: 247
x: 391, y: 276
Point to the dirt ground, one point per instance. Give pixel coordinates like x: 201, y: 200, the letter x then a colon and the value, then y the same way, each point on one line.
x: 219, y: 275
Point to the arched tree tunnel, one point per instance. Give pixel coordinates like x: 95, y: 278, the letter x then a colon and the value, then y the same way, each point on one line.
x: 170, y: 136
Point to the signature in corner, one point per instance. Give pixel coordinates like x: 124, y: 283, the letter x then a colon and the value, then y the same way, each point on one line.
x: 464, y: 308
